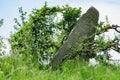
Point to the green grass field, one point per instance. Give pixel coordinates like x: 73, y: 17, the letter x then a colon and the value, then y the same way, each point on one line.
x: 20, y: 68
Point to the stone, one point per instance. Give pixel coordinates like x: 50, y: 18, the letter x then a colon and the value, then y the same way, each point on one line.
x: 85, y: 27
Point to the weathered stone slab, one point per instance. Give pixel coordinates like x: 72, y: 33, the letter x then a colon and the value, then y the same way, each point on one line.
x: 85, y: 27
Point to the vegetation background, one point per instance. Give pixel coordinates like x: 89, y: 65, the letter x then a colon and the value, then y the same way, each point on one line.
x: 38, y: 38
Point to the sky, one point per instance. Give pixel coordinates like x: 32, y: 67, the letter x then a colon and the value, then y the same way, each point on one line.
x: 9, y: 11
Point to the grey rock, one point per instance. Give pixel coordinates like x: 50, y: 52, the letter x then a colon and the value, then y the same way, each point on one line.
x: 85, y: 27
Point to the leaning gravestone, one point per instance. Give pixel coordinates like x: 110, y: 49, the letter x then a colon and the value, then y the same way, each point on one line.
x: 85, y: 27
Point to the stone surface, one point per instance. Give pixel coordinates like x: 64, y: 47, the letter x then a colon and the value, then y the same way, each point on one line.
x: 85, y: 27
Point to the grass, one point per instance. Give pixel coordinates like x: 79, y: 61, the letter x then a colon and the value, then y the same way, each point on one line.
x: 21, y: 68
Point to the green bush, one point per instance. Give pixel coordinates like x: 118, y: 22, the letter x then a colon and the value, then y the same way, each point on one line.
x: 43, y: 33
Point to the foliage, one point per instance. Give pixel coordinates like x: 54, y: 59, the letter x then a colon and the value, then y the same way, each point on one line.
x: 1, y: 22
x: 100, y: 46
x: 1, y: 47
x: 44, y: 32
x: 1, y: 42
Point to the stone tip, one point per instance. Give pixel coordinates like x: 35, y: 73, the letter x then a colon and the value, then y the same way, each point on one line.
x: 92, y: 8
x: 93, y: 13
